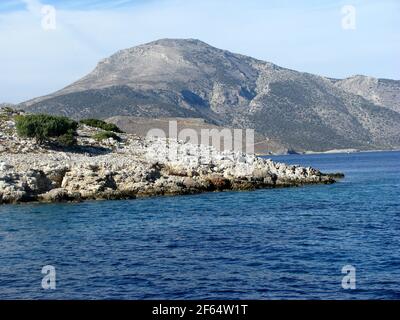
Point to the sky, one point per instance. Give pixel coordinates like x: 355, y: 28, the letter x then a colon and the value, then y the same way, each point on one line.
x: 41, y: 52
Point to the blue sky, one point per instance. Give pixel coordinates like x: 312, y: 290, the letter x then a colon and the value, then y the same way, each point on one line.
x: 303, y: 35
x: 12, y: 5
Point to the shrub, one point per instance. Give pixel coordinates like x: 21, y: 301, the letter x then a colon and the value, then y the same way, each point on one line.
x: 44, y: 127
x: 68, y: 139
x: 106, y: 135
x: 8, y: 109
x: 101, y: 125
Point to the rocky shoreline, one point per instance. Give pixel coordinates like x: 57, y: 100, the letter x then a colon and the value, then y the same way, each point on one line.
x: 131, y: 168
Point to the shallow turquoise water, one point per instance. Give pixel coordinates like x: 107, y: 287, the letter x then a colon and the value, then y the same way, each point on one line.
x: 268, y: 244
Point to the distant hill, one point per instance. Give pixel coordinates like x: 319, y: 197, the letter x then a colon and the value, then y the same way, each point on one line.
x: 383, y: 92
x: 5, y: 105
x: 191, y: 79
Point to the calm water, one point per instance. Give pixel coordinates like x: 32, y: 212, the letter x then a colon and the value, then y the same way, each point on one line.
x: 269, y: 244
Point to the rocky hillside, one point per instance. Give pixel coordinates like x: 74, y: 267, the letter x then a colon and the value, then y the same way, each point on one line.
x: 191, y: 79
x: 130, y: 168
x: 141, y: 126
x: 6, y: 105
x: 383, y: 92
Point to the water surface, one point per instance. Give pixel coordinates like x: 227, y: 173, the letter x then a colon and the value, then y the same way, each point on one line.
x: 268, y: 244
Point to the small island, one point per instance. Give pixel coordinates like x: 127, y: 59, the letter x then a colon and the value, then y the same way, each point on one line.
x: 47, y: 158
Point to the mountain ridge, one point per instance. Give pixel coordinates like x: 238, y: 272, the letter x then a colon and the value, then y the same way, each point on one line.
x: 383, y: 92
x: 189, y: 78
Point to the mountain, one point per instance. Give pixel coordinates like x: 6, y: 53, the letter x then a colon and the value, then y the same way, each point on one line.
x: 383, y: 92
x: 191, y: 79
x: 6, y: 105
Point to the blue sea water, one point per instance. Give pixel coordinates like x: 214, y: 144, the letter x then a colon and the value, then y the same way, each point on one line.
x: 287, y: 243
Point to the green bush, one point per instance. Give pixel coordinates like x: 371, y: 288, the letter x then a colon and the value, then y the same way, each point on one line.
x: 68, y: 139
x: 7, y: 109
x: 106, y: 135
x: 44, y: 127
x: 101, y: 125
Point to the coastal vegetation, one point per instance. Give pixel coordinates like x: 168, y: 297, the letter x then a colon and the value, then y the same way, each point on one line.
x: 47, y: 128
x: 100, y: 124
x: 100, y: 136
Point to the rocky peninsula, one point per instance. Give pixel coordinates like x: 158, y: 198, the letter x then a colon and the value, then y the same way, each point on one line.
x: 130, y: 167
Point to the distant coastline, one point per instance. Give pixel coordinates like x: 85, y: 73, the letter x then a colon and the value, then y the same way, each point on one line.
x: 334, y: 151
x: 341, y: 151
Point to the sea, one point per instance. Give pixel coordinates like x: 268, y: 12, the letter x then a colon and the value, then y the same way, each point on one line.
x: 339, y: 241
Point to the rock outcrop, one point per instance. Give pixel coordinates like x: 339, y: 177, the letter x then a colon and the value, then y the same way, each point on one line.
x: 130, y: 168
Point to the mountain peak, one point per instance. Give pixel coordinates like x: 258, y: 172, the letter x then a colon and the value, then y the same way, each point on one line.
x: 169, y: 63
x: 168, y: 42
